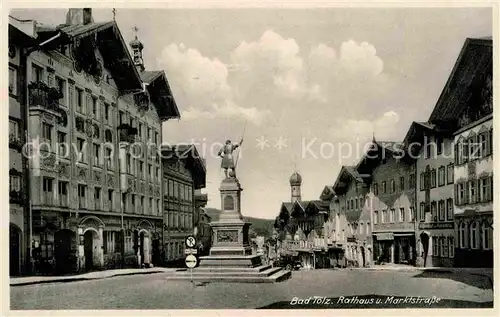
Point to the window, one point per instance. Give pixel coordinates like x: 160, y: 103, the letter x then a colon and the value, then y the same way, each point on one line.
x: 95, y: 108
x: 435, y: 246
x: 97, y: 198
x: 449, y: 174
x: 13, y: 130
x: 124, y: 201
x: 15, y: 183
x: 122, y: 117
x: 81, y: 196
x: 109, y: 158
x: 441, y: 176
x: 356, y: 203
x: 487, y: 236
x: 442, y: 211
x: 110, y: 199
x: 97, y: 150
x: 474, y: 236
x: 141, y: 206
x: 384, y: 187
x: 170, y: 188
x: 47, y: 189
x: 361, y: 203
x: 465, y: 151
x: 401, y: 183
x: 384, y: 216
x: 482, y: 145
x: 37, y: 73
x: 79, y: 99
x: 449, y: 209
x: 433, y: 211
x: 393, y: 186
x: 473, y: 149
x: 158, y: 206
x: 439, y: 145
x: 461, y: 193
x: 106, y: 112
x: 132, y: 203
x: 412, y: 214
x: 81, y: 153
x: 61, y: 85
x: 433, y: 178
x: 375, y: 189
x: 63, y: 193
x: 485, y: 189
x: 375, y: 217
x: 451, y: 247
x: 411, y: 182
x: 128, y: 162
x: 47, y: 132
x: 472, y: 191
x: 444, y: 247
x: 422, y: 212
x: 150, y: 171
x: 12, y: 81
x: 422, y: 181
x: 393, y: 215
x: 461, y: 235
x: 402, y: 215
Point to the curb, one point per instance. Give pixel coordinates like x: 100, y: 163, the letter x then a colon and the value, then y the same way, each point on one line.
x: 77, y: 279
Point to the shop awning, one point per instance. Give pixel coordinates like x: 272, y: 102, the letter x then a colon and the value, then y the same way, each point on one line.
x: 385, y: 236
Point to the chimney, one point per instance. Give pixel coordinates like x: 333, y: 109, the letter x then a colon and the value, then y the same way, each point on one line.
x: 79, y: 16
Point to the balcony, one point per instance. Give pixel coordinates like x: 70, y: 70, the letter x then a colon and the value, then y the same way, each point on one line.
x: 48, y: 198
x: 15, y: 142
x: 16, y: 196
x: 43, y: 96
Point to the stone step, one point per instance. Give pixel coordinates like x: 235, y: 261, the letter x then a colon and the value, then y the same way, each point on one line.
x: 249, y: 261
x: 246, y: 273
x: 226, y: 269
x: 279, y: 276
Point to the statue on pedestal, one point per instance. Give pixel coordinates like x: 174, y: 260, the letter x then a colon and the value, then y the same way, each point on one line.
x: 227, y: 163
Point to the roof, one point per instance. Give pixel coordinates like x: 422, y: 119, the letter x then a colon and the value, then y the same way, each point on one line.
x: 475, y: 59
x: 348, y: 171
x: 110, y: 44
x: 161, y: 94
x: 353, y: 215
x: 194, y: 161
x: 327, y: 193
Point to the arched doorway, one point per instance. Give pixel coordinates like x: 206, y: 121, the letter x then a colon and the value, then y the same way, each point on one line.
x: 90, y: 248
x: 64, y: 249
x: 14, y: 250
x: 424, y: 240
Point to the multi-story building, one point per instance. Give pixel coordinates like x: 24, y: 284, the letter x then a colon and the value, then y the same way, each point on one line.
x: 300, y: 226
x: 184, y: 172
x: 392, y: 202
x: 18, y: 190
x: 95, y: 114
x: 202, y: 221
x: 351, y: 221
x: 432, y: 147
x: 335, y: 228
x: 466, y: 105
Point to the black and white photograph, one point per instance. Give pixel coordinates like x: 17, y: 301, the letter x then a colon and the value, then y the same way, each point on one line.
x: 258, y: 158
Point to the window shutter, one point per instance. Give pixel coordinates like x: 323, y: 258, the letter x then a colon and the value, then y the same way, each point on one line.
x: 456, y: 153
x: 466, y: 196
x: 491, y: 188
x: 457, y: 202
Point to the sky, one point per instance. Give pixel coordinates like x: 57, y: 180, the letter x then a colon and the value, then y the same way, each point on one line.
x: 306, y: 89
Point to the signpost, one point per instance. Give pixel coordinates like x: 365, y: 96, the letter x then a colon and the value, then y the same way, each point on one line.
x: 191, y: 262
x: 190, y: 241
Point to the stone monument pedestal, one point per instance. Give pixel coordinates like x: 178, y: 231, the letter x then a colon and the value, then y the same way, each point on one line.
x: 231, y: 258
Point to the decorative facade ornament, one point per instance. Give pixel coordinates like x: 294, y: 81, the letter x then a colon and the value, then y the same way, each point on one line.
x: 97, y: 177
x: 157, y: 192
x: 49, y: 161
x: 82, y: 174
x: 227, y: 236
x: 111, y: 181
x: 63, y: 170
x: 151, y: 190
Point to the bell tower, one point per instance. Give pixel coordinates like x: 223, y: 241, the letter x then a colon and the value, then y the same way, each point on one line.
x: 137, y: 48
x: 295, y: 183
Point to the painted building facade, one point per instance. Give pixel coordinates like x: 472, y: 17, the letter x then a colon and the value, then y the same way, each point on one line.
x: 351, y: 189
x: 19, y: 227
x: 392, y: 202
x: 432, y: 147
x: 183, y: 173
x: 95, y: 118
x: 202, y: 221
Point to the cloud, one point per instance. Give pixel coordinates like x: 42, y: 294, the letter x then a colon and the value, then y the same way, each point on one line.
x: 200, y: 85
x: 363, y: 130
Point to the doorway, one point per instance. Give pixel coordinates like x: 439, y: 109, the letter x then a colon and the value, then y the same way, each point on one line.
x: 141, y: 247
x: 88, y: 248
x: 63, y: 240
x: 14, y: 250
x: 424, y: 238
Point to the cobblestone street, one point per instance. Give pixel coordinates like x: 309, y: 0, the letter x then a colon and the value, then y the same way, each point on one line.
x: 155, y: 292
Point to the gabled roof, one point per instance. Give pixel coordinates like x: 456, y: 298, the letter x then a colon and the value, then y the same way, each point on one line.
x: 353, y: 215
x: 194, y: 161
x: 474, y: 59
x: 110, y: 44
x: 346, y: 174
x: 327, y: 193
x: 161, y: 94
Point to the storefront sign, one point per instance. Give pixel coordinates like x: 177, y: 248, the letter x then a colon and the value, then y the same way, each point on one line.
x: 437, y: 225
x: 384, y: 236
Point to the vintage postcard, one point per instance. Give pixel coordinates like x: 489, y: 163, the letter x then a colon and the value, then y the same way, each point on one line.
x: 176, y: 157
